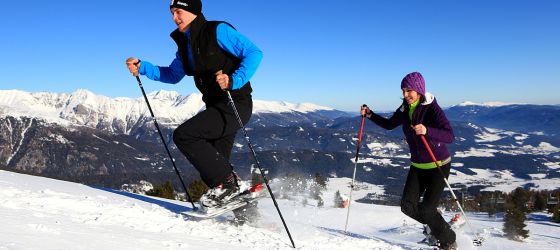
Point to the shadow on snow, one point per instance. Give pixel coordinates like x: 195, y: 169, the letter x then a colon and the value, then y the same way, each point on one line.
x: 175, y: 208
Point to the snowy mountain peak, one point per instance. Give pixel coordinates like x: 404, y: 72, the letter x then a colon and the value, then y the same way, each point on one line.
x: 84, y: 93
x: 87, y: 98
x: 485, y: 104
x: 279, y: 107
x: 164, y: 95
x: 82, y: 107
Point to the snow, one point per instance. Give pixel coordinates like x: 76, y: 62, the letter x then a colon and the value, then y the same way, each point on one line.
x: 95, y: 136
x: 386, y: 149
x: 543, y: 148
x: 18, y: 144
x: 502, y: 180
x: 389, y: 145
x: 42, y: 213
x: 380, y: 162
x: 260, y: 106
x: 547, y: 147
x: 552, y: 165
x: 521, y: 137
x: 126, y: 145
x: 485, y: 104
x: 492, y: 134
x: 537, y: 176
x: 60, y: 139
x: 489, y: 136
x: 457, y: 164
x: 83, y: 107
x: 343, y: 185
x: 473, y: 152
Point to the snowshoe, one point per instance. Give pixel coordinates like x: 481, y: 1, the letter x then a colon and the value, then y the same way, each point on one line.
x: 452, y: 246
x: 222, y: 193
x: 429, y: 239
x: 247, y: 197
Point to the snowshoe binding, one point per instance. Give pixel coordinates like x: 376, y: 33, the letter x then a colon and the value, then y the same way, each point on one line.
x: 221, y: 194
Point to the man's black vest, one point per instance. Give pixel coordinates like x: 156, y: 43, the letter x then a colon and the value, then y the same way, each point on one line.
x: 208, y: 59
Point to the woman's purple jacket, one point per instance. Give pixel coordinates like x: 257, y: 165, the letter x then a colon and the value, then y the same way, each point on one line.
x: 428, y: 113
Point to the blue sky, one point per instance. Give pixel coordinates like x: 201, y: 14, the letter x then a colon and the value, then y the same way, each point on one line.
x: 334, y: 53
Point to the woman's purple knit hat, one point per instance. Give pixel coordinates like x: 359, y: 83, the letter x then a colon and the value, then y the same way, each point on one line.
x: 414, y: 81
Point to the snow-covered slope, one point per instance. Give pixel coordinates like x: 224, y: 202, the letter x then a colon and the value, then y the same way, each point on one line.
x: 41, y: 213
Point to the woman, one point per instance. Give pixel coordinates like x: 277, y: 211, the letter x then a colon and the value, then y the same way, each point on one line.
x: 420, y: 115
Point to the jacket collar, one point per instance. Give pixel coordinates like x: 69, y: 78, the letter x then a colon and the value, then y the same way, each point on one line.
x: 195, y: 28
x: 197, y: 24
x: 429, y: 99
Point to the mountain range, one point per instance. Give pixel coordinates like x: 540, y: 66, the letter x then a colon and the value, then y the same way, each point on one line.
x: 97, y: 140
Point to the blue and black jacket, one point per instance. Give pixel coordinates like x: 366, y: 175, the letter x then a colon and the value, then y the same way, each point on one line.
x: 206, y: 48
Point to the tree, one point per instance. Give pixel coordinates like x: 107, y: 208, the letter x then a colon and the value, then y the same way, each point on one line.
x: 196, y: 189
x: 520, y: 197
x: 514, y: 224
x: 556, y: 214
x: 514, y: 221
x: 492, y: 203
x: 164, y: 191
x: 321, y: 180
x: 320, y: 202
x: 540, y: 201
x: 338, y: 200
x: 487, y: 202
x: 320, y: 184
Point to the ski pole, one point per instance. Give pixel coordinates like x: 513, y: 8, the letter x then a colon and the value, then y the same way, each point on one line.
x: 165, y: 144
x: 258, y: 165
x: 355, y: 165
x: 478, y: 240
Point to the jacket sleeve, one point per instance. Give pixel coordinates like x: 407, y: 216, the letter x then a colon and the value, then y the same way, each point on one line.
x: 172, y: 74
x: 241, y: 47
x: 385, y: 123
x: 440, y: 128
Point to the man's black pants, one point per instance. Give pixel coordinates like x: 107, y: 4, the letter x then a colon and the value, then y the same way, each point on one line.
x: 207, y: 139
x: 430, y: 183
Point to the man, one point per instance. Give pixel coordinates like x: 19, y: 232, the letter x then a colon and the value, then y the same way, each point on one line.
x: 220, y: 59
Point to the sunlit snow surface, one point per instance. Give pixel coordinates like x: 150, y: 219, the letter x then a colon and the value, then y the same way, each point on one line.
x: 41, y: 213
